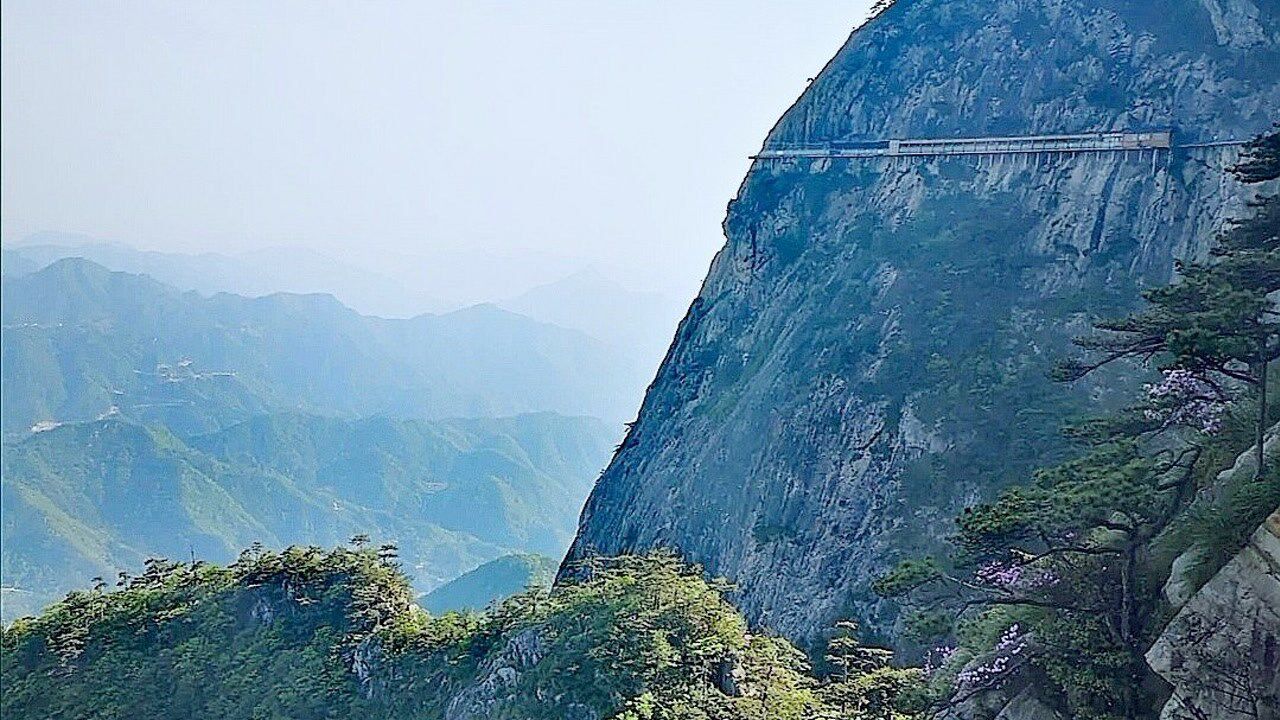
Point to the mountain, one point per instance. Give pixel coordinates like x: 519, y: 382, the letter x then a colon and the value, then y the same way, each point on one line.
x: 260, y: 272
x: 14, y: 264
x: 93, y: 499
x: 492, y: 581
x: 638, y: 322
x: 870, y: 350
x: 382, y: 283
x: 81, y: 342
x: 589, y: 299
x: 314, y: 635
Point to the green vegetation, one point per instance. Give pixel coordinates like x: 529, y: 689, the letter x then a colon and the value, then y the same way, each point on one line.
x: 1060, y: 578
x: 492, y: 581
x: 312, y: 634
x: 1217, y: 323
x: 92, y: 499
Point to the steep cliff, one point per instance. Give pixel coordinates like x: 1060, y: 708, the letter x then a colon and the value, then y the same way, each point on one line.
x: 1221, y: 653
x: 869, y: 350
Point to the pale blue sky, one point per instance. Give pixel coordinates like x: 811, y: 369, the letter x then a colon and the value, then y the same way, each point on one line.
x: 610, y: 130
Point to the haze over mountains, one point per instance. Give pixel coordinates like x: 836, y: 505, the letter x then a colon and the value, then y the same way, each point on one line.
x: 545, y: 286
x: 260, y: 272
x: 143, y: 418
x: 82, y: 341
x: 588, y: 300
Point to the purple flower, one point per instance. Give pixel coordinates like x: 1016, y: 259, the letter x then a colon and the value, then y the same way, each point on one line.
x: 1015, y: 577
x: 990, y: 671
x: 1183, y: 398
x: 937, y: 658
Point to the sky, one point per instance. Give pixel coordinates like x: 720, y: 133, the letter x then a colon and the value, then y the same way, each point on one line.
x: 613, y: 132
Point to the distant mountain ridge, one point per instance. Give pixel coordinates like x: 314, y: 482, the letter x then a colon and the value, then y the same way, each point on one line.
x: 253, y: 274
x: 82, y: 342
x: 91, y: 499
x: 595, y: 303
x: 383, y: 284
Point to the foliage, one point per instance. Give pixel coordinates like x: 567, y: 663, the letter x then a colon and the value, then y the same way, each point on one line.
x: 306, y: 633
x: 865, y: 684
x: 1059, y: 577
x: 263, y: 637
x: 95, y: 498
x: 1216, y: 327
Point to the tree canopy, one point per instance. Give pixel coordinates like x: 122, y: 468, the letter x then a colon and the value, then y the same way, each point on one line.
x: 309, y: 633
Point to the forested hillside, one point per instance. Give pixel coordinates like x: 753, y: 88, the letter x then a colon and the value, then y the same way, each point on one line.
x: 97, y: 498
x: 312, y: 634
x: 492, y: 581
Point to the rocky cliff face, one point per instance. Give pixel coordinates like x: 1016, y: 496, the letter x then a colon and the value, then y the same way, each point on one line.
x: 869, y: 350
x: 1221, y: 653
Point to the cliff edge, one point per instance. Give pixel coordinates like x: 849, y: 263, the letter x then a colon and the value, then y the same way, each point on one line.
x: 869, y: 351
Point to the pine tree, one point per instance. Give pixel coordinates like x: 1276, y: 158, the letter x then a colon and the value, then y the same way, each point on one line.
x: 1216, y: 324
x: 1059, y: 566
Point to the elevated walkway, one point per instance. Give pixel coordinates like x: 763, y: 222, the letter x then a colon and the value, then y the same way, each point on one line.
x: 1106, y: 142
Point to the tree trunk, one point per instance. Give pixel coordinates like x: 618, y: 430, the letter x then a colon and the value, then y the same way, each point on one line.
x: 1128, y: 627
x: 1262, y: 417
x: 1128, y: 573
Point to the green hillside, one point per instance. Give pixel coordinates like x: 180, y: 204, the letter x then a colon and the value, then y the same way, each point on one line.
x: 492, y: 581
x: 308, y: 634
x: 91, y: 499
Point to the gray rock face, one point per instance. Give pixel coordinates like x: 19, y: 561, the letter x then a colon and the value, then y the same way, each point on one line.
x: 497, y: 678
x: 868, y: 352
x: 1018, y: 705
x: 1182, y: 582
x: 1026, y: 706
x: 1221, y: 652
x: 496, y: 684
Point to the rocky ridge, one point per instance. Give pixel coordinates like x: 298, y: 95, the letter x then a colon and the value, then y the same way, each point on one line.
x: 1221, y: 652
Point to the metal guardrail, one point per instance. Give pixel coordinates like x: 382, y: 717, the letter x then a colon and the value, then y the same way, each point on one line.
x: 999, y: 145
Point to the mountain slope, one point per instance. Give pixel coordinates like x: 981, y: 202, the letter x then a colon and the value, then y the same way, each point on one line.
x: 492, y: 581
x: 870, y: 348
x: 92, y: 499
x: 308, y: 634
x: 80, y: 340
x: 14, y: 263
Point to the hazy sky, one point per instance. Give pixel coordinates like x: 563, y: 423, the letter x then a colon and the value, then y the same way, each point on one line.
x: 612, y: 130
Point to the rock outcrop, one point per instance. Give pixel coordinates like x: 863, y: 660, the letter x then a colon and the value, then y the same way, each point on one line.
x: 869, y: 350
x: 1020, y: 705
x: 496, y: 683
x: 1186, y: 575
x: 1221, y: 652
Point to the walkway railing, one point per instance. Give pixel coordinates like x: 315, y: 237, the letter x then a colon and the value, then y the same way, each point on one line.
x: 1105, y: 142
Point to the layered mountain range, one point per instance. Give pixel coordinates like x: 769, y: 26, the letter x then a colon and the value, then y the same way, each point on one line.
x: 93, y: 499
x: 81, y: 341
x: 142, y: 421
